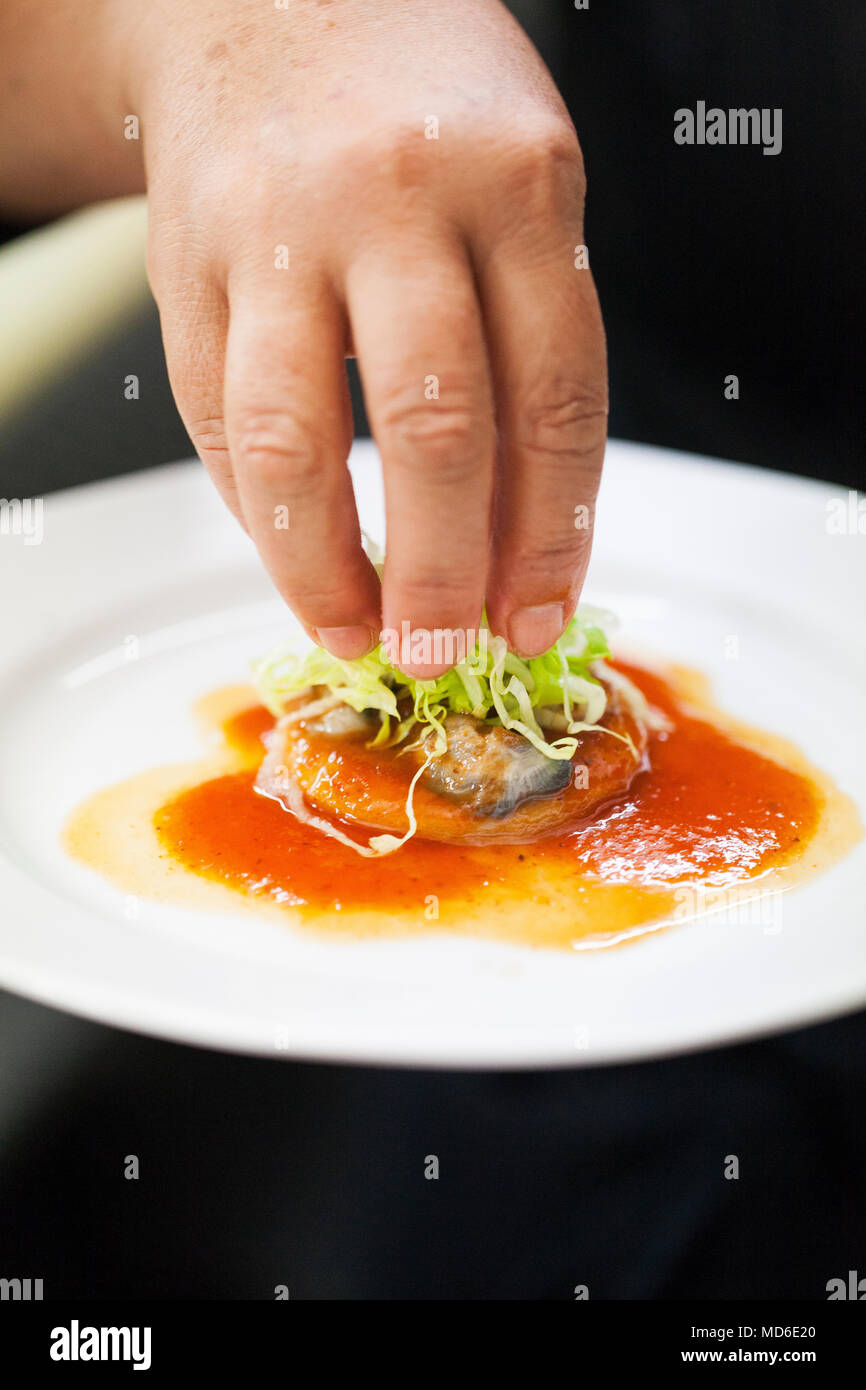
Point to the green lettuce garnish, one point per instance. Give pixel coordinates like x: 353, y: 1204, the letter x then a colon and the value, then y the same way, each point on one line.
x: 491, y: 684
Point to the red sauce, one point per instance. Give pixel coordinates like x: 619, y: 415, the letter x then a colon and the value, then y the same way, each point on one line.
x: 243, y: 732
x: 710, y: 810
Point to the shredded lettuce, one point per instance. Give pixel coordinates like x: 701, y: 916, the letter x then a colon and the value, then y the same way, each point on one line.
x: 559, y: 693
x: 491, y: 683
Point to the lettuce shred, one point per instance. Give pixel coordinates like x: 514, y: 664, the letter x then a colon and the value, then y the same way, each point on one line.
x: 491, y: 684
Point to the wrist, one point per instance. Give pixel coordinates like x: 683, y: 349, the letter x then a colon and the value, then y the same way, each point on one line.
x: 64, y: 139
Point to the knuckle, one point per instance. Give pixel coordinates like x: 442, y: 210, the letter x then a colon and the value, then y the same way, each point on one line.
x: 379, y: 163
x: 413, y: 590
x: 327, y: 586
x: 277, y: 447
x: 447, y: 436
x: 569, y: 420
x: 544, y: 564
x: 394, y: 155
x: 208, y: 435
x: 546, y: 159
x: 324, y: 604
x: 550, y: 554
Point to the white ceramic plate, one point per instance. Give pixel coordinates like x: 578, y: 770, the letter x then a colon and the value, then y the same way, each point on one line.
x: 739, y: 572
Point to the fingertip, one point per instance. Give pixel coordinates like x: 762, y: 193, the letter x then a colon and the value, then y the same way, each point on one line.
x: 346, y: 643
x: 425, y: 653
x: 532, y: 630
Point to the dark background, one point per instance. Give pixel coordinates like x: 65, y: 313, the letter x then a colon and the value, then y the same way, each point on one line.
x: 709, y: 261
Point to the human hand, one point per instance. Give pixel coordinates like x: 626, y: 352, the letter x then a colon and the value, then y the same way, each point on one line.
x: 421, y: 175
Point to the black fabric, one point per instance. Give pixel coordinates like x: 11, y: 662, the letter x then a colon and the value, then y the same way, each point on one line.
x: 721, y: 260
x: 256, y: 1173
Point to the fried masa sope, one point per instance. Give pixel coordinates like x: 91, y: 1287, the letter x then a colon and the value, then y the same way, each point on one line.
x: 500, y: 749
x: 489, y: 785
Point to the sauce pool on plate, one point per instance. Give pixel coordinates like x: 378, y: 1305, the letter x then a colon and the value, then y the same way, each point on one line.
x: 720, y: 816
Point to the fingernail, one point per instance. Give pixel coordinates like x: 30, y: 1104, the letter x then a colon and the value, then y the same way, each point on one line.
x: 346, y: 642
x: 532, y: 631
